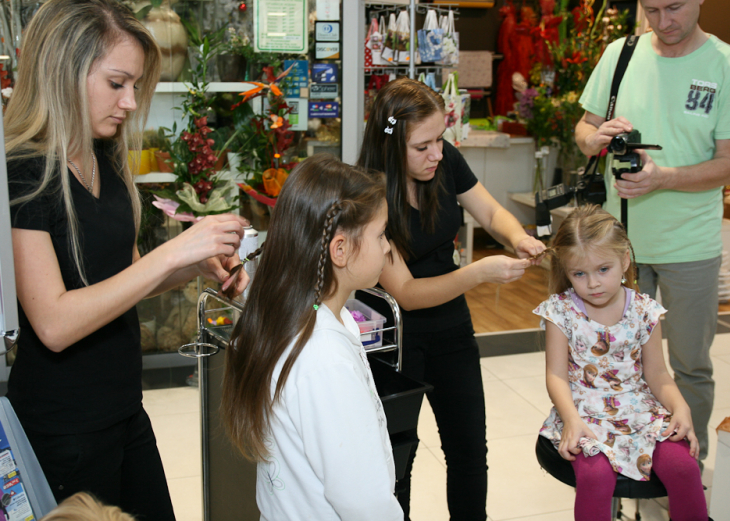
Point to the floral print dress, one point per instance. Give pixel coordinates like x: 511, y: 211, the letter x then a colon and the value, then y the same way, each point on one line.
x: 606, y: 378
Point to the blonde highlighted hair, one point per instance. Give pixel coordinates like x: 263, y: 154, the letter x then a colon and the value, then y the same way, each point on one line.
x: 588, y: 229
x: 83, y: 507
x: 48, y: 115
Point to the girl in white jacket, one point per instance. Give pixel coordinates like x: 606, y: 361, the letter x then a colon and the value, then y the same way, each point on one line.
x: 298, y: 394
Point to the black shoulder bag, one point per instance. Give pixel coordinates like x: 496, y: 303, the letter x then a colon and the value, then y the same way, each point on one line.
x: 591, y: 186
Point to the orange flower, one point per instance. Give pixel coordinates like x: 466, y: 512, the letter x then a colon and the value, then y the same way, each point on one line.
x: 253, y: 92
x: 274, y: 179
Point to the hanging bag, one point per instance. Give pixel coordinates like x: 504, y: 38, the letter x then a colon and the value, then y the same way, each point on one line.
x: 371, y: 42
x: 450, y: 40
x: 431, y: 80
x: 430, y: 39
x: 403, y: 32
x: 388, y: 54
x: 454, y: 108
x: 375, y: 44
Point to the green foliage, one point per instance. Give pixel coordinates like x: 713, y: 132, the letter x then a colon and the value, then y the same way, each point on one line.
x: 550, y: 107
x: 146, y: 9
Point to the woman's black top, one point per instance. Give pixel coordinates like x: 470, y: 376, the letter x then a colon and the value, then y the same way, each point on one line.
x: 433, y: 253
x: 95, y: 382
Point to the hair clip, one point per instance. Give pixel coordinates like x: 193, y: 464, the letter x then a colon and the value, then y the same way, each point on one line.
x: 316, y: 307
x: 392, y: 121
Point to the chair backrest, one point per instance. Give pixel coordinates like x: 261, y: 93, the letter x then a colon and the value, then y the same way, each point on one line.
x: 19, y: 462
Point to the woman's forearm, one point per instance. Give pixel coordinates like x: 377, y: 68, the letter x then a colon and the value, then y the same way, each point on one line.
x: 433, y: 291
x: 66, y: 316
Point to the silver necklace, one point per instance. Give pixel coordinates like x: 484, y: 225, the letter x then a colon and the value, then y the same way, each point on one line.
x: 89, y: 187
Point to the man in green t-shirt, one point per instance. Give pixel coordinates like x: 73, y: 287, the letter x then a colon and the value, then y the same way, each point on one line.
x: 676, y: 92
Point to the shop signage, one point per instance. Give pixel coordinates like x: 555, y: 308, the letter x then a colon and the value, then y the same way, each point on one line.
x: 324, y: 109
x: 298, y: 115
x: 280, y: 26
x: 324, y: 91
x: 325, y: 73
x: 327, y: 31
x: 328, y: 9
x: 297, y: 79
x: 327, y: 51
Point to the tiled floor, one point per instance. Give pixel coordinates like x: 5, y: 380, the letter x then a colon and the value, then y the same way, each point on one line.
x: 517, y: 403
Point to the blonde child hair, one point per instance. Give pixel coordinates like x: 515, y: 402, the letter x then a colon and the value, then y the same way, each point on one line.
x: 588, y: 229
x: 84, y: 507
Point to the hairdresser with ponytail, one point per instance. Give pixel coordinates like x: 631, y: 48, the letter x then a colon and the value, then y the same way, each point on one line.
x: 427, y: 180
x: 86, y: 77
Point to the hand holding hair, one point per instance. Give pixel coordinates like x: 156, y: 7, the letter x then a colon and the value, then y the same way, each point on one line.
x: 530, y: 248
x: 202, y: 243
x: 501, y: 269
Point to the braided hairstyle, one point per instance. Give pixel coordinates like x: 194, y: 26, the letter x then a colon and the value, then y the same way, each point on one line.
x: 588, y: 229
x: 321, y: 197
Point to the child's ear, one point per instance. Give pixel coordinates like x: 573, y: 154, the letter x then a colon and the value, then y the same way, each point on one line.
x: 626, y: 262
x: 339, y: 250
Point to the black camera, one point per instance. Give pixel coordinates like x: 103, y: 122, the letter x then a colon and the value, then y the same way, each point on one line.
x: 625, y: 158
x: 591, y: 187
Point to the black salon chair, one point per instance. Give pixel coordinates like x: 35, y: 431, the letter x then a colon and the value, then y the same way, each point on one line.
x: 551, y: 461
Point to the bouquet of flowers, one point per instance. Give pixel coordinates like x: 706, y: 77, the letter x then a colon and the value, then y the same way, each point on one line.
x: 200, y: 191
x: 263, y: 141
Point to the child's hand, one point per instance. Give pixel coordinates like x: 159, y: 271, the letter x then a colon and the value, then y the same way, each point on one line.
x: 681, y: 427
x: 570, y: 441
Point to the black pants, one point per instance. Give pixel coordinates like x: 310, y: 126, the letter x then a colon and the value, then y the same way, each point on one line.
x: 120, y: 465
x: 449, y: 361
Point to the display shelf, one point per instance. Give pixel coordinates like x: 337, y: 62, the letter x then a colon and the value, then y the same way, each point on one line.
x: 179, y: 87
x: 155, y: 177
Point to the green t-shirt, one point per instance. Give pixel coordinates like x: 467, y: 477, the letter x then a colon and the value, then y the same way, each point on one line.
x: 682, y: 104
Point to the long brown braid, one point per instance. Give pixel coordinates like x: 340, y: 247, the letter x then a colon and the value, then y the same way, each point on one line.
x: 327, y: 232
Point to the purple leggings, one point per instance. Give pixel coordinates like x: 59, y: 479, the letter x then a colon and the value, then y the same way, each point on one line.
x: 678, y: 471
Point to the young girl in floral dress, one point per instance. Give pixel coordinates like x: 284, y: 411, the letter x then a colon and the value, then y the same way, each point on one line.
x: 616, y: 408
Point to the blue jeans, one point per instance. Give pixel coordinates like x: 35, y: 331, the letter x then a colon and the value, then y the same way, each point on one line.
x: 689, y: 293
x: 449, y: 361
x: 120, y: 465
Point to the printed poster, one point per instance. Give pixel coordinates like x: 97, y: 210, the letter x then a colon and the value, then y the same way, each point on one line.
x: 297, y: 79
x: 298, y: 115
x: 280, y: 26
x: 14, y: 504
